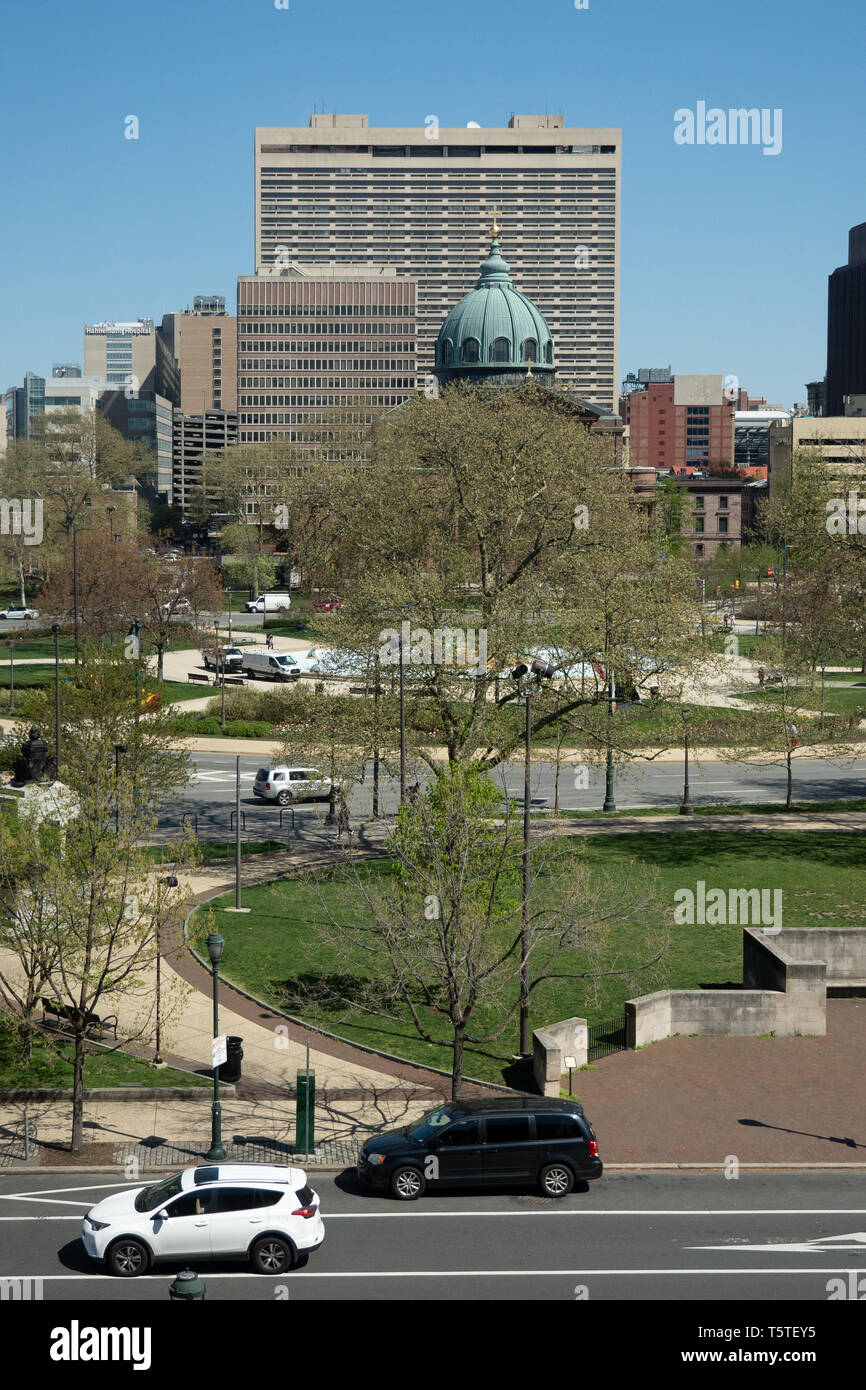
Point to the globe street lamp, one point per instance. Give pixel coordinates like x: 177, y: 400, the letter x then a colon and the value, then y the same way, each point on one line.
x: 542, y: 671
x: 215, y: 947
x: 686, y: 809
x: 55, y: 628
x: 170, y: 881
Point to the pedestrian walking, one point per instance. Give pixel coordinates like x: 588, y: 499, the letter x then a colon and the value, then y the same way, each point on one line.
x: 269, y: 641
x: 344, y: 826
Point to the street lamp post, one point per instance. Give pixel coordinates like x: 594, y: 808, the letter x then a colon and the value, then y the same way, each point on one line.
x: 215, y: 947
x: 221, y: 659
x: 686, y: 809
x: 55, y: 628
x: 542, y: 671
x: 170, y: 881
x: 12, y: 676
x: 402, y: 722
x: 119, y: 749
x: 609, y: 802
x: 111, y: 511
x: 758, y: 605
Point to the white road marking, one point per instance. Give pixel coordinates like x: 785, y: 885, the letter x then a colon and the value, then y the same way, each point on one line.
x: 563, y: 1211
x: 824, y: 1244
x: 447, y: 1274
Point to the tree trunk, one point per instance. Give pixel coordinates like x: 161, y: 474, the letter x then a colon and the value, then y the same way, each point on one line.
x: 160, y: 650
x: 789, y: 800
x: 21, y: 581
x: 457, y: 1062
x: 556, y: 781
x: 78, y: 1096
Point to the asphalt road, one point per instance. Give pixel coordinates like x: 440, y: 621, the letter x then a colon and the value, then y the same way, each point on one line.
x: 211, y: 795
x: 766, y: 1237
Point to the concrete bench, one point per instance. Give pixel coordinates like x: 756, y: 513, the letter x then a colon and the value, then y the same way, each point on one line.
x: 198, y: 676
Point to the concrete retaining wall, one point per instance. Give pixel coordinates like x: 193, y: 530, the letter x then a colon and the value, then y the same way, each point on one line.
x: 550, y: 1047
x: 843, y: 950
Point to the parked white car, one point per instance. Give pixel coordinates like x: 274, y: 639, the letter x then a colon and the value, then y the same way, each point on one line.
x: 265, y: 1213
x: 287, y: 784
x: 17, y: 612
x: 269, y: 603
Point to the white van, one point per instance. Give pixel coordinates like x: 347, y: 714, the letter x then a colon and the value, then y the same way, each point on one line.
x: 269, y: 603
x: 270, y: 666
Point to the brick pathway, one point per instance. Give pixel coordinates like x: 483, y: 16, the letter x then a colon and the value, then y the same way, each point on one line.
x: 764, y: 1100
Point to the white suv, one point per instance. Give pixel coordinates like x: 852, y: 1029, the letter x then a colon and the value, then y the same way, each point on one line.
x: 265, y: 1213
x: 287, y: 784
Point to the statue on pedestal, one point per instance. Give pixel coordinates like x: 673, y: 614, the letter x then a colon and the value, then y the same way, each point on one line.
x: 34, y: 763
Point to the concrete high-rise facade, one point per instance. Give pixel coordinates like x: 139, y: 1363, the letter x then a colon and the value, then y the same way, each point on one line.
x: 314, y: 338
x: 194, y: 435
x: 123, y: 354
x: 197, y: 357
x: 422, y: 199
x: 846, y: 326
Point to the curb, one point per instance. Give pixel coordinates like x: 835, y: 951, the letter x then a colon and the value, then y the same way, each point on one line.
x: 714, y: 1167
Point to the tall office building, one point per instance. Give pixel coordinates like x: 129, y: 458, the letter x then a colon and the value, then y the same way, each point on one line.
x: 846, y: 326
x: 422, y: 199
x: 683, y: 424
x: 197, y: 356
x: 314, y: 338
x: 123, y: 354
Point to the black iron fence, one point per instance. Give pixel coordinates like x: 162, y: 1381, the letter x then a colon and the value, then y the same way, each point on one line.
x: 605, y: 1038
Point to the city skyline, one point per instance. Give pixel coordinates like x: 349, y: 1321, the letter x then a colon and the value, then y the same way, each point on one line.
x: 725, y: 254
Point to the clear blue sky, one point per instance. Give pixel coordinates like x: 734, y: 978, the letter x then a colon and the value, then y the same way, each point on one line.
x: 725, y: 251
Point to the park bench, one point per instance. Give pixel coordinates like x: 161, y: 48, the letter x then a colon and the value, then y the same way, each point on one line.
x: 229, y: 680
x: 198, y: 676
x: 65, y: 1013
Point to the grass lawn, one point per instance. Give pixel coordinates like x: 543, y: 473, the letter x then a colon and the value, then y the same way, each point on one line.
x: 766, y: 808
x: 276, y: 951
x: 213, y: 851
x: 48, y: 1069
x: 35, y: 646
x: 837, y: 699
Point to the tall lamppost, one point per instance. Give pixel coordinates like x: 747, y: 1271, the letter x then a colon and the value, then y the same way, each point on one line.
x: 119, y: 750
x: 402, y: 720
x: 12, y: 676
x: 686, y: 809
x: 542, y: 671
x: 111, y: 511
x: 215, y: 947
x: 170, y: 881
x: 55, y: 628
x: 87, y: 503
x: 609, y: 802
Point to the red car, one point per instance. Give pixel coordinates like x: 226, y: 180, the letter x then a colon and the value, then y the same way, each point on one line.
x: 327, y: 605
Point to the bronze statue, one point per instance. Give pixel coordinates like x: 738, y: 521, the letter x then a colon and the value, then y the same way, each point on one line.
x: 33, y: 763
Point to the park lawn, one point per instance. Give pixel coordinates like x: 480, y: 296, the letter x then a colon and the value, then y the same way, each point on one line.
x: 837, y: 699
x: 215, y: 850
x: 276, y: 951
x: 758, y: 808
x: 102, y: 1068
x: 30, y: 647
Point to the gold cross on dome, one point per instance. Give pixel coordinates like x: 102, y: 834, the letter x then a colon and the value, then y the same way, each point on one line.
x: 495, y: 229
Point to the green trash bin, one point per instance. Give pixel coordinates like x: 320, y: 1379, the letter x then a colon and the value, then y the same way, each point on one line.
x: 305, y: 1113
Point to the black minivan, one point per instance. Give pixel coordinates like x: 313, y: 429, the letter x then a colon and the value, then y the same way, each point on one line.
x: 524, y: 1141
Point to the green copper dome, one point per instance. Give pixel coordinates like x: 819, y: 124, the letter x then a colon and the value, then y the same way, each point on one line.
x: 495, y: 334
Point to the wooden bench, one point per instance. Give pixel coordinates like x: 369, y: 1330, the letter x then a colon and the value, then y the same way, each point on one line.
x: 198, y: 676
x: 229, y: 680
x: 65, y: 1013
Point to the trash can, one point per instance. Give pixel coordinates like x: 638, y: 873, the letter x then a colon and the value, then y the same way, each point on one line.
x: 231, y: 1067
